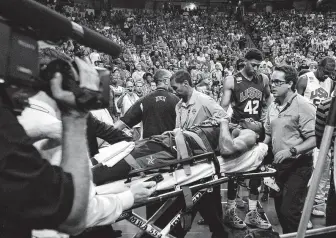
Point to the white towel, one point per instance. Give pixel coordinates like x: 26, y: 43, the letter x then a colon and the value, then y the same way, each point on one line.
x: 111, y: 155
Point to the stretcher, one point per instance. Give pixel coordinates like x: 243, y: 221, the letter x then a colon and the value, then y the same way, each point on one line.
x: 200, y: 188
x: 207, y: 171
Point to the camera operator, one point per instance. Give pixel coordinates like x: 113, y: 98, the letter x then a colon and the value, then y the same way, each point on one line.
x: 34, y: 194
x: 68, y: 205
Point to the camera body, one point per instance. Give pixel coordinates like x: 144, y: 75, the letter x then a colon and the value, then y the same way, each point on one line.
x: 18, y: 56
x: 20, y: 70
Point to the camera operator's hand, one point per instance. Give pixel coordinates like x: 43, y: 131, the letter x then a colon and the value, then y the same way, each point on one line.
x: 142, y: 190
x: 65, y: 99
x: 88, y: 78
x: 88, y: 75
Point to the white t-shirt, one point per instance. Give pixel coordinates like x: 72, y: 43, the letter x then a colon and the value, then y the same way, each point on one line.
x: 94, y: 56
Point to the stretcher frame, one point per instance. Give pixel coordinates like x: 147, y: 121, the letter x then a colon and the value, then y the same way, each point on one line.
x: 147, y: 226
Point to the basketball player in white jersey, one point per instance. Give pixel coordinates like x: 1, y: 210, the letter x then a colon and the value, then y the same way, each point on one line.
x: 317, y: 86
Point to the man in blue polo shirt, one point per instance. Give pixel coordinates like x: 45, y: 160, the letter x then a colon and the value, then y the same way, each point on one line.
x: 290, y: 127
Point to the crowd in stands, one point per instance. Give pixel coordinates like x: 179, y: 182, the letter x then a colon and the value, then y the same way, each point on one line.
x: 195, y: 40
x: 298, y: 39
x: 209, y: 44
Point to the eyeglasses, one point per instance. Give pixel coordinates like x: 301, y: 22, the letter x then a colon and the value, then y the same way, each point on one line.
x: 277, y: 82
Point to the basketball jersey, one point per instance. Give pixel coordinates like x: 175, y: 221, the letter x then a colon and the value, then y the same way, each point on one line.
x: 317, y: 91
x: 247, y: 97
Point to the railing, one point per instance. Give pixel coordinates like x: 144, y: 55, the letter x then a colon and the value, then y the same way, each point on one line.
x: 313, y: 232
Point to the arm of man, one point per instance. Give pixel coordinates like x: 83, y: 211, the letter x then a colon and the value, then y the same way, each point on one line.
x: 75, y: 160
x: 213, y: 108
x: 112, y: 107
x: 105, y: 209
x: 227, y: 92
x: 267, y: 99
x: 242, y: 143
x: 332, y: 88
x: 132, y: 117
x: 40, y: 195
x: 108, y: 133
x: 267, y: 127
x: 307, y: 114
x: 302, y: 84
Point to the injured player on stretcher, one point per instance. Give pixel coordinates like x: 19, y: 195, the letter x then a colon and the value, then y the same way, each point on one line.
x: 238, y: 148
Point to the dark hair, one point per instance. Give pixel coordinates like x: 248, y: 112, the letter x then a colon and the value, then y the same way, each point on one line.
x: 291, y: 74
x: 254, y: 54
x: 328, y: 63
x: 215, y: 83
x: 180, y: 76
x: 146, y: 74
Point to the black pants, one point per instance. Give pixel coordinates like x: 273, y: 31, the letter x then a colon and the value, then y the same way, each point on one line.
x: 331, y: 203
x: 292, y: 178
x: 209, y: 206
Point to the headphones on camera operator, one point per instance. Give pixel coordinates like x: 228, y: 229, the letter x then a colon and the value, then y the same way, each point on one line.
x: 21, y: 76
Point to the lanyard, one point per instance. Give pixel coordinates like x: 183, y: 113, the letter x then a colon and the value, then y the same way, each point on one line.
x: 187, y: 118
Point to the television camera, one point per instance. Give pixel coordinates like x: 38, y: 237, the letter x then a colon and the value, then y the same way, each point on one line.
x: 22, y: 24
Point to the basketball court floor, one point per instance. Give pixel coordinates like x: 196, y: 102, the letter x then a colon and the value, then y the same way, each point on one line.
x: 202, y: 231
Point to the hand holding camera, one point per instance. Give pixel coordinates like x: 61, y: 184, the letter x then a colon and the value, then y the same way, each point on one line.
x: 87, y: 77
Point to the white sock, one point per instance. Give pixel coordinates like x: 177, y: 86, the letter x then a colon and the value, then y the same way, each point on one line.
x: 231, y: 204
x: 252, y: 204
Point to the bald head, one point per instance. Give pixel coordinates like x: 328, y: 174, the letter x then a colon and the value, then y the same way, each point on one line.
x: 162, y: 76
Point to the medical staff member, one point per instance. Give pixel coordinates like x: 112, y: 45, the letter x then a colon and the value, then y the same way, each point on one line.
x: 290, y: 126
x: 156, y: 110
x: 194, y: 108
